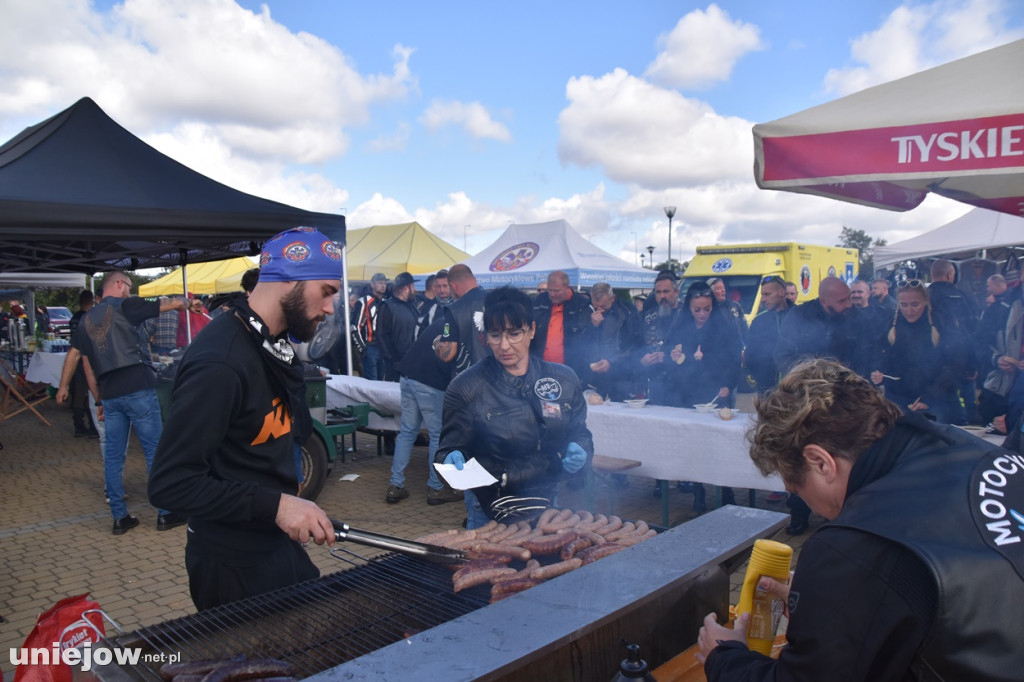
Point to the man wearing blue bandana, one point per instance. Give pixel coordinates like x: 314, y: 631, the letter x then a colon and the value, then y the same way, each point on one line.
x: 226, y: 455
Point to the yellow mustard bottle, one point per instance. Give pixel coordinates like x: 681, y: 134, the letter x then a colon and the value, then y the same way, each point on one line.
x: 772, y: 559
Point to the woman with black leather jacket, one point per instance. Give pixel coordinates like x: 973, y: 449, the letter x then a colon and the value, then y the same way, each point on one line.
x: 523, y: 419
x: 922, y: 358
x: 705, y: 346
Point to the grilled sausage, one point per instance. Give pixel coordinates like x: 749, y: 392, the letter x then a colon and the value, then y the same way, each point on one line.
x: 250, y: 670
x: 546, y: 516
x: 511, y: 586
x: 520, y: 553
x: 569, y: 551
x: 627, y: 529
x: 438, y: 538
x: 635, y: 538
x: 614, y: 523
x: 524, y: 573
x: 550, y: 544
x: 568, y: 522
x: 592, y: 554
x: 595, y: 539
x: 554, y: 523
x: 554, y: 570
x: 474, y: 578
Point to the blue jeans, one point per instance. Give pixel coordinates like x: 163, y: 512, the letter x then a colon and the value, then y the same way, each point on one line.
x: 373, y: 364
x: 421, y: 404
x: 142, y: 411
x: 475, y: 516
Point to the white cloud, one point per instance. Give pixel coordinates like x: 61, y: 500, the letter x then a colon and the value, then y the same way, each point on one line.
x: 265, y: 91
x: 199, y: 147
x: 473, y: 117
x: 702, y: 49
x: 395, y: 142
x: 649, y: 136
x: 915, y: 37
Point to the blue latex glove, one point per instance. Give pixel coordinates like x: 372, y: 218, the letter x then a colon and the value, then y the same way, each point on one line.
x: 457, y: 458
x: 574, y: 459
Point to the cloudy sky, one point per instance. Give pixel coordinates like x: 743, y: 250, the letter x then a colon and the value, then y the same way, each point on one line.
x: 469, y: 115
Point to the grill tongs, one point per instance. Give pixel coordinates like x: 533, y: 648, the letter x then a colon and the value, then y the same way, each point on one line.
x: 435, y: 553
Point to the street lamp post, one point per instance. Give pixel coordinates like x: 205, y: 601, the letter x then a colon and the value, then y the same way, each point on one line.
x: 670, y: 211
x: 650, y: 250
x: 642, y: 256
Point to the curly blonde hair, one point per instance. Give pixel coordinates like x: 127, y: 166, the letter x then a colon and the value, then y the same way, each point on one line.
x: 818, y: 402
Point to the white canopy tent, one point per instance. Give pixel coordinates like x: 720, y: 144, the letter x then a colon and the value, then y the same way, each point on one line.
x: 977, y: 231
x: 525, y: 255
x: 21, y: 286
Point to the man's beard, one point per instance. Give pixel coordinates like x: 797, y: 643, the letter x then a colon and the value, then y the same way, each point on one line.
x: 299, y: 324
x: 664, y: 309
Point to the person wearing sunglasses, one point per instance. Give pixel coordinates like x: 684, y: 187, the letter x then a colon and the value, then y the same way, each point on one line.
x: 524, y: 419
x: 922, y: 358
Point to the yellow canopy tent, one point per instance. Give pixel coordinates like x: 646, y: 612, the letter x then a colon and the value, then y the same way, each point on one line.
x: 202, y: 277
x: 391, y: 249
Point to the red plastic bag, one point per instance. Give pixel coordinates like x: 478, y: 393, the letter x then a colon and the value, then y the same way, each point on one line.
x: 63, y: 626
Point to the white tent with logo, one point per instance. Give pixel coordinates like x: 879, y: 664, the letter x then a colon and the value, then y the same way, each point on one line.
x: 979, y: 231
x: 525, y: 255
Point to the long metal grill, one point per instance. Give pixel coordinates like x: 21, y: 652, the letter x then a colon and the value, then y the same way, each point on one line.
x: 317, y: 624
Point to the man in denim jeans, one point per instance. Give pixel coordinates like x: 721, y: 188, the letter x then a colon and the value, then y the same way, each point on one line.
x: 109, y: 344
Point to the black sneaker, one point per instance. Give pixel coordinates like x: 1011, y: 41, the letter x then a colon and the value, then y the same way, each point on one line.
x: 170, y: 520
x: 124, y: 524
x: 81, y: 433
x: 396, y: 494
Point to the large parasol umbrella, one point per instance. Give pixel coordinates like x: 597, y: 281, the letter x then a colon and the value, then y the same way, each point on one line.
x: 956, y: 130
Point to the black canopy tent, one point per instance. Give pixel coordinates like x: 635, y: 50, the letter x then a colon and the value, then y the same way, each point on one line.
x: 79, y: 193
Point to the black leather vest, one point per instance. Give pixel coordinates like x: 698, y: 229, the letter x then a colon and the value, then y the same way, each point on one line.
x: 114, y: 339
x: 949, y: 499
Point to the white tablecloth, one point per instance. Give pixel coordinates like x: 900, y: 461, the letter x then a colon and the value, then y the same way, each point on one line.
x: 386, y: 396
x: 44, y: 368
x: 678, y: 444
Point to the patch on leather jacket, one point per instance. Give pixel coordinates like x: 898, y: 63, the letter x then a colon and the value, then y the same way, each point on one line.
x: 548, y: 388
x: 997, y: 504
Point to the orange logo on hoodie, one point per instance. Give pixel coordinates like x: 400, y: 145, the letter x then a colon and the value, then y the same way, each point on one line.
x: 276, y: 424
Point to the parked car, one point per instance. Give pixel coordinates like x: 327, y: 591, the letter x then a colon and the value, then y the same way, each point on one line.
x: 60, y: 320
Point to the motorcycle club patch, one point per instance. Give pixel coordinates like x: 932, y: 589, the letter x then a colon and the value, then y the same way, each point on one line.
x: 548, y: 388
x: 997, y: 504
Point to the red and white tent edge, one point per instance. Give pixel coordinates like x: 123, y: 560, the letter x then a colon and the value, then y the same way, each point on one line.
x: 956, y: 130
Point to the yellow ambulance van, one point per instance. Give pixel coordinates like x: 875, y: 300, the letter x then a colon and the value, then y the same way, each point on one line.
x: 744, y: 266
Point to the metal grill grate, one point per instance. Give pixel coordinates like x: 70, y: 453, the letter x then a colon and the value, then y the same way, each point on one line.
x: 320, y: 623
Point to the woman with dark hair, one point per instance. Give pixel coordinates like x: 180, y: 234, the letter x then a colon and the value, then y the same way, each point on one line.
x: 706, y: 351
x: 921, y: 359
x: 522, y: 418
x: 706, y: 347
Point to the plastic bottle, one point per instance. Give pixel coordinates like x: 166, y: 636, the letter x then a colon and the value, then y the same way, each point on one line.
x: 771, y: 559
x: 633, y: 667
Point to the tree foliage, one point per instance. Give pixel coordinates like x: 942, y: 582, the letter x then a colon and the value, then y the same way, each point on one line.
x: 850, y: 238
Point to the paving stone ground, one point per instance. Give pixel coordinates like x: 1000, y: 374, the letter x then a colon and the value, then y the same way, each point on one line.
x: 55, y: 538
